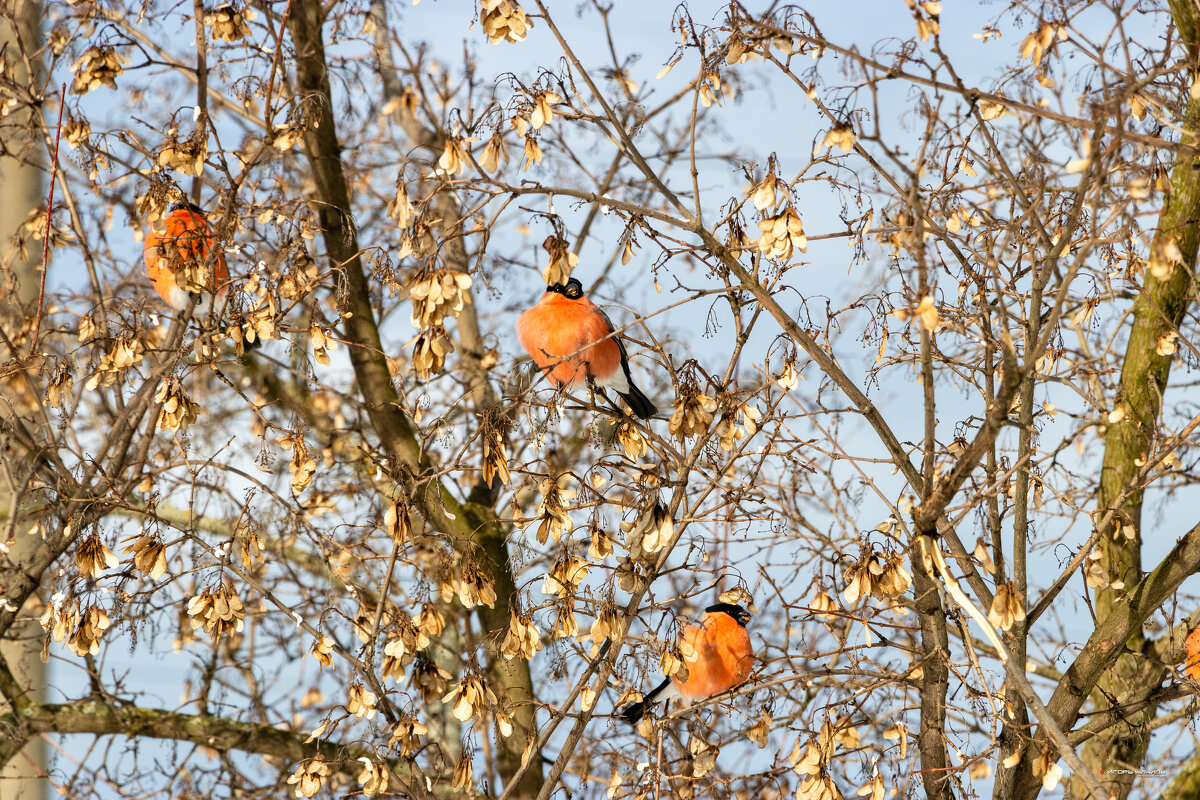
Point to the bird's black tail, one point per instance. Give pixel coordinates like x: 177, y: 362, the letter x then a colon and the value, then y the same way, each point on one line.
x: 639, y: 404
x: 247, y: 346
x: 634, y: 712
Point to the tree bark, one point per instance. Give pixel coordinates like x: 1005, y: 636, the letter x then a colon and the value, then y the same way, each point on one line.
x: 22, y: 178
x: 469, y: 525
x: 1157, y: 311
x: 1106, y: 644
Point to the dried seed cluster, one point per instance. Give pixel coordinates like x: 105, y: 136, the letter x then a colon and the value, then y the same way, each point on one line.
x: 1007, y: 608
x: 149, y: 555
x: 522, y: 639
x: 178, y: 410
x: 308, y: 776
x: 219, y: 613
x: 504, y: 21
x: 552, y: 517
x: 651, y: 532
x: 879, y: 575
x: 781, y: 234
x: 98, y: 66
x: 229, y: 22
x: 562, y: 260
x: 693, y: 414
x: 186, y: 156
x: 472, y: 697
x: 438, y: 294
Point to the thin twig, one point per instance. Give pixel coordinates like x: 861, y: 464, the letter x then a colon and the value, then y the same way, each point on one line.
x: 274, y: 66
x: 37, y: 322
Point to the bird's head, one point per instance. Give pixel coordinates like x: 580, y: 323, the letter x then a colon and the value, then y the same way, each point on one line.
x: 183, y: 205
x: 572, y: 289
x: 740, y: 615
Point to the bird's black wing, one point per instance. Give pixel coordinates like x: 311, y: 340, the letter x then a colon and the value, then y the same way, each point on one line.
x: 617, y: 339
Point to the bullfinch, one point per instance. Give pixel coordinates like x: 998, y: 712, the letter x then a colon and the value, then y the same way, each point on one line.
x: 565, y: 335
x: 720, y: 659
x: 186, y: 267
x: 1191, y: 666
x: 182, y: 264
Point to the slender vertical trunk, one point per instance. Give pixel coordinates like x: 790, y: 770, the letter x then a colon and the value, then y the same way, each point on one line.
x: 22, y: 179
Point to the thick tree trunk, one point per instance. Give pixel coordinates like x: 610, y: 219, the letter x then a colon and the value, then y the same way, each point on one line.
x: 470, y: 525
x: 1157, y: 311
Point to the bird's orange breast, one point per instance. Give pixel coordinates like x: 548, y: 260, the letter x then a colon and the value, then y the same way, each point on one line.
x: 178, y: 258
x: 1191, y: 666
x: 723, y: 657
x: 558, y: 327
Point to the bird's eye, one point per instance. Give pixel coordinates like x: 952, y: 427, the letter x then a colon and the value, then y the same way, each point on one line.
x: 573, y: 292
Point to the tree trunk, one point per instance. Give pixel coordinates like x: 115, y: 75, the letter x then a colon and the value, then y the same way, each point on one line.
x: 21, y: 177
x: 468, y: 524
x: 1157, y: 311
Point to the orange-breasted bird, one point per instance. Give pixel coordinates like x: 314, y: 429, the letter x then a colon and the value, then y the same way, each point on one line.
x: 563, y: 334
x: 183, y: 263
x: 721, y: 658
x: 1191, y: 666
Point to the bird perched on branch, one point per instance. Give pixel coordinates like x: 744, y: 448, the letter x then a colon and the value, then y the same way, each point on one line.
x: 1191, y: 665
x: 183, y: 263
x: 565, y: 334
x: 717, y: 656
x: 186, y: 267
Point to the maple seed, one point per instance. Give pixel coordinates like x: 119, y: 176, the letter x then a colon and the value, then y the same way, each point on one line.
x: 308, y: 776
x: 430, y: 348
x: 562, y: 261
x: 653, y: 531
x: 462, y: 772
x: 876, y: 574
x: 85, y: 639
x: 504, y: 21
x: 543, y: 109
x: 781, y: 234
x: 631, y: 439
x: 149, y: 555
x: 454, y: 157
x: 495, y: 154
x: 522, y: 639
x: 400, y: 209
x: 228, y: 22
x: 405, y: 734
x: 824, y: 604
x: 98, y: 66
x: 552, y: 514
x: 438, y: 294
x: 1007, y: 609
x: 374, y: 777
x: 841, y: 137
x: 693, y: 415
x: 607, y: 625
x: 186, y: 156
x: 533, y: 153
x: 219, y: 612
x: 472, y: 697
x: 766, y: 194
x: 565, y: 576
x: 93, y: 557
x: 361, y: 702
x: 76, y: 132
x: 475, y: 588
x: 178, y: 410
